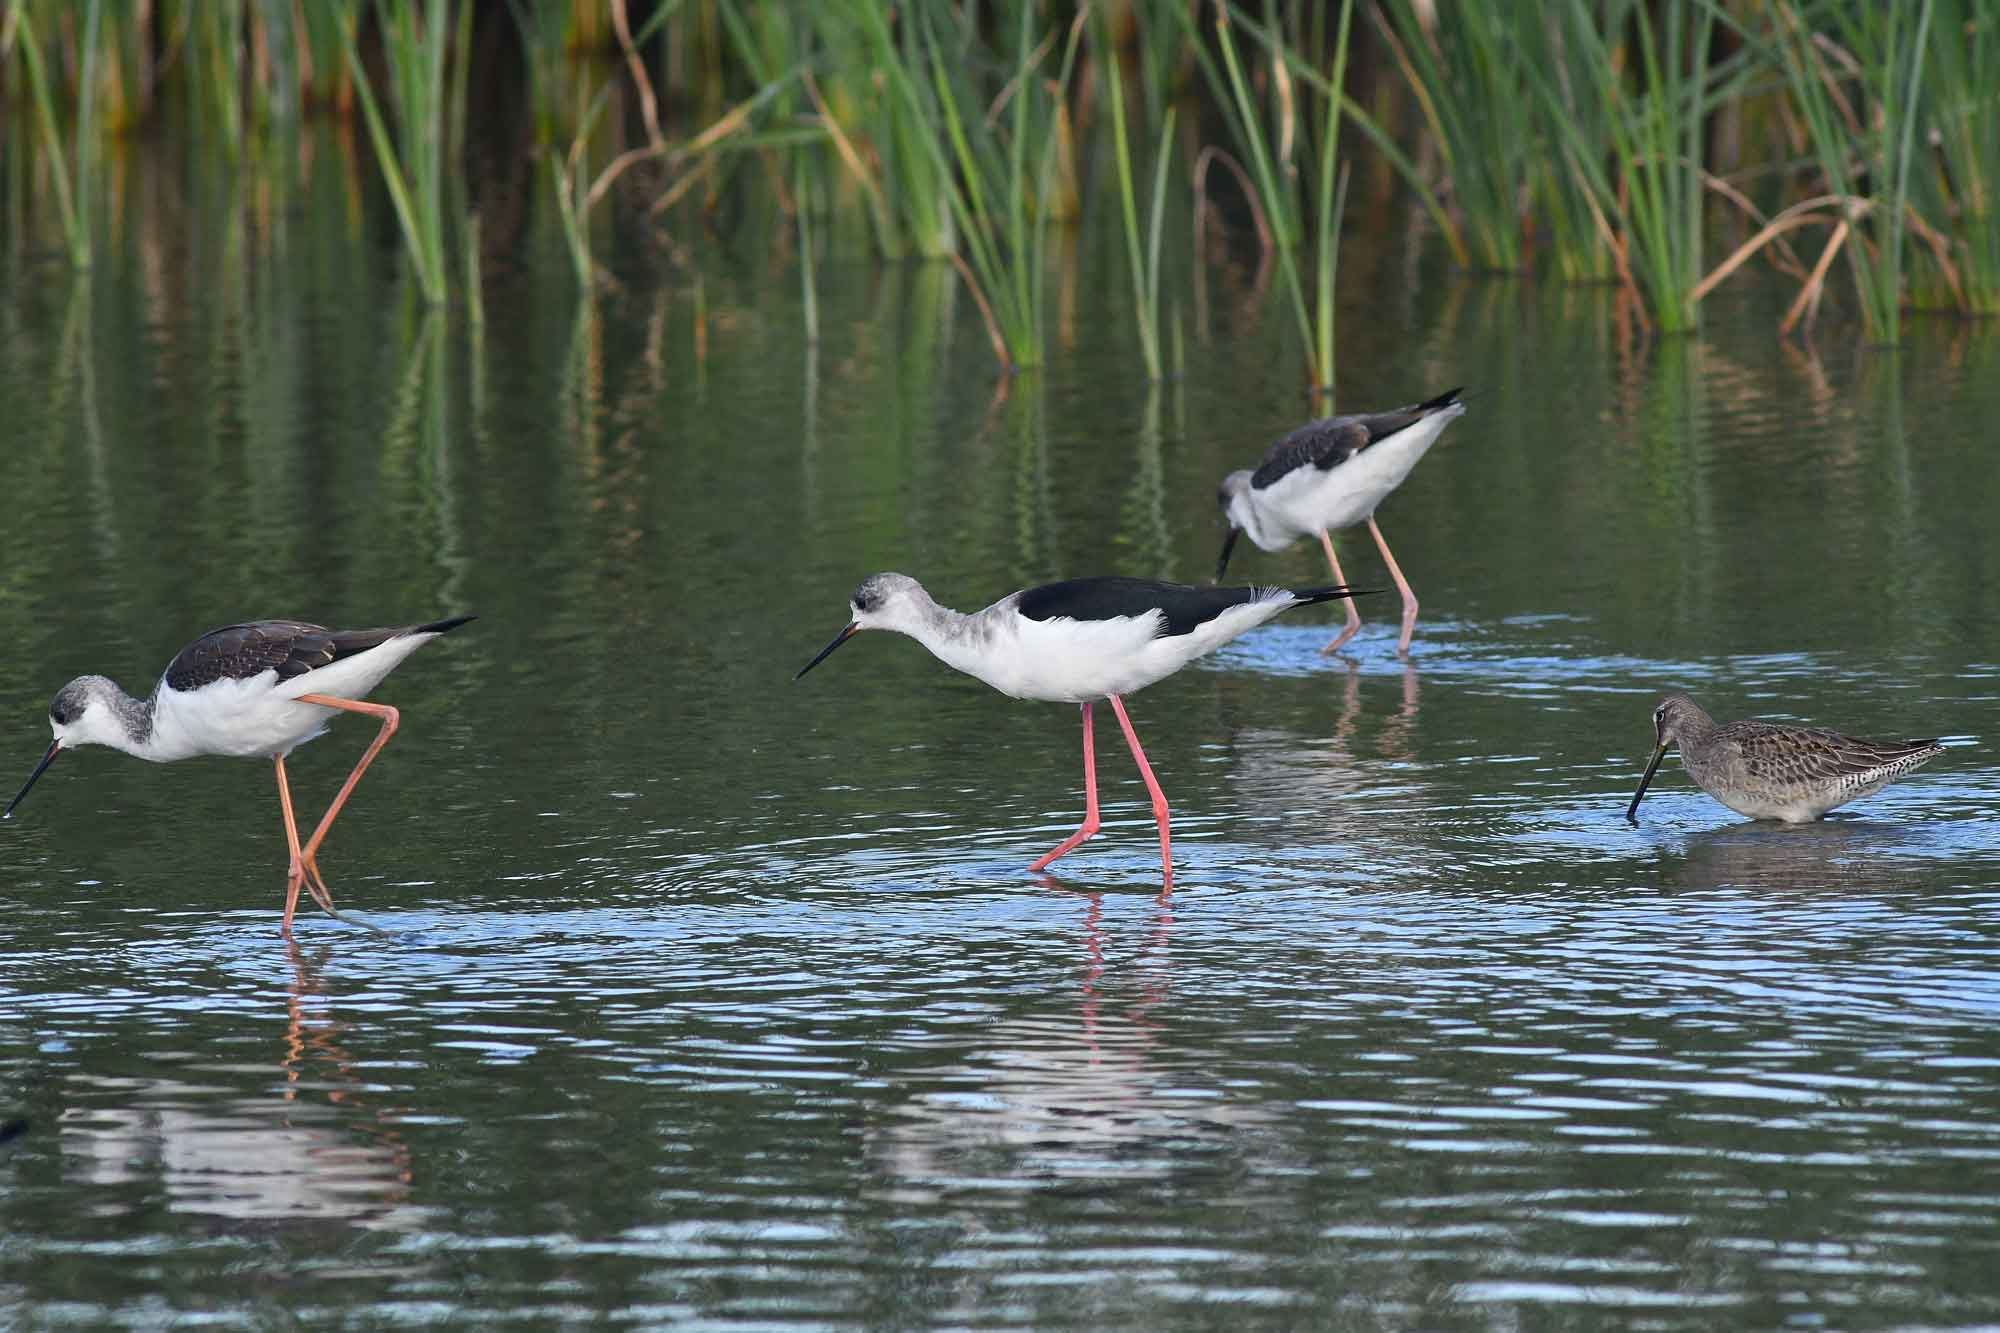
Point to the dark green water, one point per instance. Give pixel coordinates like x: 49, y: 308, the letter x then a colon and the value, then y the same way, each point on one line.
x: 710, y: 998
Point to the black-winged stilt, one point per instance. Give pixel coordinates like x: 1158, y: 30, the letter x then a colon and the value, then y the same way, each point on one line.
x: 1766, y: 770
x: 257, y: 690
x: 1331, y: 474
x: 1076, y: 642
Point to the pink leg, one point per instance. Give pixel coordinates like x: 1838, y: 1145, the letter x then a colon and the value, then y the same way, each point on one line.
x: 1353, y: 616
x: 297, y: 875
x: 308, y: 864
x: 303, y: 873
x: 1402, y: 586
x: 1089, y: 829
x: 1153, y: 786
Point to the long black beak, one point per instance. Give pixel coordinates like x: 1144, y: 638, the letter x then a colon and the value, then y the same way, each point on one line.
x: 55, y: 748
x: 827, y: 651
x: 1228, y: 545
x: 1632, y: 811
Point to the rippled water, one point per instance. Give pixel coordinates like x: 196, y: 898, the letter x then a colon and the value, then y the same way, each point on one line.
x: 704, y: 997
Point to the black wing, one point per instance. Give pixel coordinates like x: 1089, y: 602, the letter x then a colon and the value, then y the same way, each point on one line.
x: 1183, y: 609
x: 289, y: 647
x: 1329, y: 442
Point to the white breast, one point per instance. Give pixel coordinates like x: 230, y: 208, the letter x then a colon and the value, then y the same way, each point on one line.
x: 259, y: 715
x: 1305, y: 500
x: 1072, y: 661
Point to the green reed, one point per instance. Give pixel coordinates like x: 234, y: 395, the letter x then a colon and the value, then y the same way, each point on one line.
x: 1854, y: 71
x: 1650, y: 189
x: 1144, y: 259
x: 995, y: 167
x: 879, y: 106
x: 1465, y: 71
x: 414, y: 36
x: 73, y: 178
x: 1571, y: 135
x: 1572, y: 125
x: 1299, y: 206
x: 1961, y: 187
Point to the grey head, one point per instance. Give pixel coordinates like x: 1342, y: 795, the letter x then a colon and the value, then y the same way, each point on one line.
x: 1676, y: 720
x: 883, y: 601
x: 90, y: 710
x: 1233, y: 498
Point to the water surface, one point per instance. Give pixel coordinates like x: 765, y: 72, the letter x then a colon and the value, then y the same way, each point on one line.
x: 709, y: 998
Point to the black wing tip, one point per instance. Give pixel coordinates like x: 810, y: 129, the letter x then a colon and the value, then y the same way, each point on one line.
x: 1329, y: 592
x: 1445, y: 399
x: 445, y: 626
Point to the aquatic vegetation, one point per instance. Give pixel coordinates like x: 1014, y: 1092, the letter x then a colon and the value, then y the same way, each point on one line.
x: 412, y: 163
x: 1882, y: 61
x: 1960, y: 186
x: 1464, y: 66
x: 1272, y: 142
x: 72, y: 177
x: 1648, y: 191
x: 1585, y: 139
x: 1143, y: 258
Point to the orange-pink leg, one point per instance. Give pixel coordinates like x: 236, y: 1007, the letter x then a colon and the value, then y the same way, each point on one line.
x: 1153, y: 786
x: 1402, y: 586
x: 306, y: 866
x: 1353, y: 616
x: 297, y: 875
x: 1089, y: 829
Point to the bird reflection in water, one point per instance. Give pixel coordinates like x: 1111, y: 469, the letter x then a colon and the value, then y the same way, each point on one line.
x: 1839, y: 855
x: 226, y: 1146
x: 1047, y: 1097
x: 1280, y: 773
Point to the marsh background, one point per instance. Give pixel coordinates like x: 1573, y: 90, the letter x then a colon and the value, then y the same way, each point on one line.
x: 712, y: 999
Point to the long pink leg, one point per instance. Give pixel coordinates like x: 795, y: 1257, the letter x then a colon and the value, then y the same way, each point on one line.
x: 390, y: 719
x: 1353, y: 616
x: 1089, y: 828
x: 1402, y: 586
x: 1153, y: 786
x: 297, y: 875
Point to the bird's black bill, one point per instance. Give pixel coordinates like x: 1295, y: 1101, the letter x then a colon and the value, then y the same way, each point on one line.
x: 55, y: 748
x: 824, y: 653
x: 1228, y: 545
x: 1632, y: 810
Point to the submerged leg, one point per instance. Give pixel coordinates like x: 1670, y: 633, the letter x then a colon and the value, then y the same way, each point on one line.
x: 1153, y: 786
x: 1353, y: 616
x: 1089, y: 828
x: 390, y: 718
x: 1402, y: 586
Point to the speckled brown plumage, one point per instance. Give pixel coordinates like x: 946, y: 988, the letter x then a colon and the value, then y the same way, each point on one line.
x: 1767, y: 770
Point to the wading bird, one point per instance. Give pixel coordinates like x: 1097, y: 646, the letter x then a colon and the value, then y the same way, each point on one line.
x: 1076, y: 642
x: 1763, y: 770
x: 257, y: 690
x: 1331, y: 474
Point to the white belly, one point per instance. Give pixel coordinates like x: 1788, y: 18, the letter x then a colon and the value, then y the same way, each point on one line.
x: 1073, y: 661
x: 1306, y: 500
x: 260, y: 716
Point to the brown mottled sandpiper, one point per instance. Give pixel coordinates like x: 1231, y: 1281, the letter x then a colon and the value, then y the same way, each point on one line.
x: 1767, y: 771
